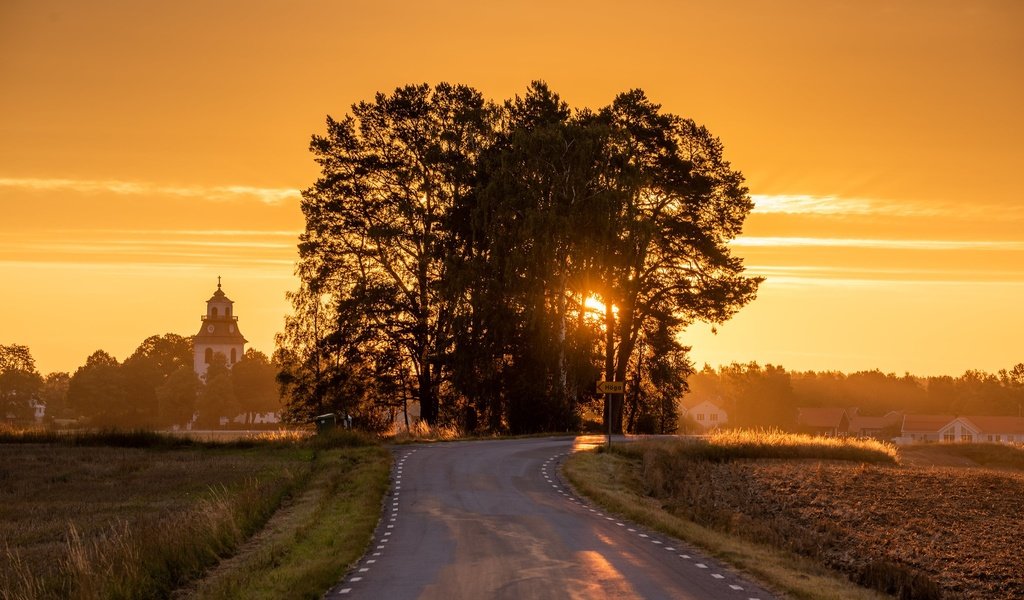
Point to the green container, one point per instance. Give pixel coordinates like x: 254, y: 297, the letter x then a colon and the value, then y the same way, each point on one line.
x: 326, y: 422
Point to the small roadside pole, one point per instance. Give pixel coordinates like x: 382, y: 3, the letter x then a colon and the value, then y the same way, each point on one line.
x: 610, y: 389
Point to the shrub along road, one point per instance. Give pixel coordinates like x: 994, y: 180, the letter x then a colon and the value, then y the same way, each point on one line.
x: 493, y: 519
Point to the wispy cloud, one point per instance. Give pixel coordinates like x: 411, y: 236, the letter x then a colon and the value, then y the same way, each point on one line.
x: 141, y: 188
x: 821, y: 242
x: 794, y: 204
x: 861, y: 273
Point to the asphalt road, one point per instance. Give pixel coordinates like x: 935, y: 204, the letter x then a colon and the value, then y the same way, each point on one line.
x: 493, y: 519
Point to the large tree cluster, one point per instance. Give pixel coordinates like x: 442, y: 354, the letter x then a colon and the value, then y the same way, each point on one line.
x: 491, y: 262
x: 156, y: 387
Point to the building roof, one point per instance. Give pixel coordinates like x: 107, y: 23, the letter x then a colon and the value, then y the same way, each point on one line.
x: 1012, y: 425
x: 931, y: 423
x: 691, y: 402
x: 980, y: 423
x: 890, y: 419
x: 220, y: 296
x: 820, y: 417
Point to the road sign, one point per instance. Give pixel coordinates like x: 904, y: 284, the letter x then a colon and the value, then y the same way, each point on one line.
x: 611, y: 387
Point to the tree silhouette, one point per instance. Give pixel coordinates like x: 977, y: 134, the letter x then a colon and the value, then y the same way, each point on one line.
x: 97, y: 392
x: 375, y: 234
x: 20, y: 383
x: 459, y: 245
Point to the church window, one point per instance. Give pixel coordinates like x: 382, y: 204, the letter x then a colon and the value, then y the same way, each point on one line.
x: 233, y: 356
x: 213, y: 312
x: 209, y: 355
x: 227, y: 312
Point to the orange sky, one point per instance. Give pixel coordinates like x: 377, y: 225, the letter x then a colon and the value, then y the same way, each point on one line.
x: 146, y: 148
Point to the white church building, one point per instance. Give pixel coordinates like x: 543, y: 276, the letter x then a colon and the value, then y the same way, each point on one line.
x: 218, y: 334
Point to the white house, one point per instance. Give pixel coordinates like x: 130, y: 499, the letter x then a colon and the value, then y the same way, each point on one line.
x: 963, y: 429
x: 705, y: 413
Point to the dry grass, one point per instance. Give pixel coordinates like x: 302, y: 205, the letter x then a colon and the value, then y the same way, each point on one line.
x: 307, y: 546
x: 422, y: 432
x: 734, y: 444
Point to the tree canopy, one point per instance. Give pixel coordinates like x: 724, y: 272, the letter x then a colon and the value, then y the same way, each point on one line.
x: 20, y: 383
x: 493, y: 261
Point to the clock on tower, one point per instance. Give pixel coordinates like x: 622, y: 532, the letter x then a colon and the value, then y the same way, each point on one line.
x: 218, y: 334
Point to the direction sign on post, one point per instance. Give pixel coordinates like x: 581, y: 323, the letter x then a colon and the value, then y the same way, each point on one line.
x: 611, y: 387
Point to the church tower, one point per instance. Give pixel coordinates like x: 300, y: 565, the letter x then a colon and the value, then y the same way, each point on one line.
x: 218, y: 334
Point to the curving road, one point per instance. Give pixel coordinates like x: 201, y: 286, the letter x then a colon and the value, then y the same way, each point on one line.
x: 493, y: 519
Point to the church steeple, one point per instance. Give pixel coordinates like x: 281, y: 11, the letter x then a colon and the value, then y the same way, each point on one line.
x: 219, y: 333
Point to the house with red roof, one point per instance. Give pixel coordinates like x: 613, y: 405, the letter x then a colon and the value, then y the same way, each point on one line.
x: 963, y: 429
x: 883, y: 427
x: 823, y: 421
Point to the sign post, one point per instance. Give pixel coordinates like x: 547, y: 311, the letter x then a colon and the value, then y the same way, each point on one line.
x: 610, y: 389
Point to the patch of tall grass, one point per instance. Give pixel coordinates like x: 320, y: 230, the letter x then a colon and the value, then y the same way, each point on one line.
x: 159, y: 440
x: 422, y: 432
x: 734, y: 444
x: 150, y: 559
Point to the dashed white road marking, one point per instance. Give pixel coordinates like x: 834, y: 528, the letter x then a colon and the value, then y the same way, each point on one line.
x: 548, y: 478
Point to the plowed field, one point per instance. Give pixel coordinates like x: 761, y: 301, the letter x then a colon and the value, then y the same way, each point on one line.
x: 955, y: 529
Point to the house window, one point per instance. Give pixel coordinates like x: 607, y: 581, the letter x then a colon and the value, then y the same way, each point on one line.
x: 700, y: 416
x: 948, y: 437
x: 967, y: 438
x: 990, y: 438
x: 997, y: 438
x: 713, y: 416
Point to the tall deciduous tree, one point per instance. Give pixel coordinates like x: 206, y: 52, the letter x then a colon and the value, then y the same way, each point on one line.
x: 176, y: 397
x: 673, y: 205
x: 376, y: 231
x: 217, y: 398
x: 97, y: 392
x: 255, y: 387
x: 146, y: 370
x: 20, y: 383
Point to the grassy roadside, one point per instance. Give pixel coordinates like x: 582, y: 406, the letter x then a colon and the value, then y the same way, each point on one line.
x: 140, y: 515
x: 307, y: 546
x: 613, y: 481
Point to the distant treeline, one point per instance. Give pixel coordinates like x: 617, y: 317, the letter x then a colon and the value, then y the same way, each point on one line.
x: 757, y: 396
x: 156, y: 387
